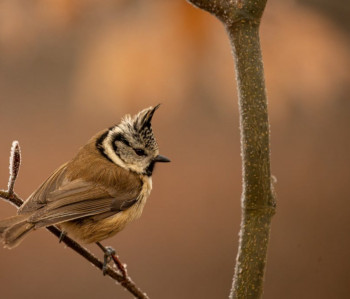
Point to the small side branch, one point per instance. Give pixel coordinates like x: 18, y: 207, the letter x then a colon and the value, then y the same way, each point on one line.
x: 15, y: 162
x: 10, y: 196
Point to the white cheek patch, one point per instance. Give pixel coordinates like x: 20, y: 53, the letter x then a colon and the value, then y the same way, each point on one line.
x: 109, y: 151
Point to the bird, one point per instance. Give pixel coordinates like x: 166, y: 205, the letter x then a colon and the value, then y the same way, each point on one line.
x: 97, y: 193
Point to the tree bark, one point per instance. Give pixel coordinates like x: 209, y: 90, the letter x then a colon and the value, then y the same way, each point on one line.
x: 241, y: 19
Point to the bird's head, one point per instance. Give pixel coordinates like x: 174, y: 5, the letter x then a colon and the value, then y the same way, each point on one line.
x: 131, y: 144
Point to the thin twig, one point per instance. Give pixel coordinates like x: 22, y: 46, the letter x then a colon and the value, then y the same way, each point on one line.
x: 10, y: 196
x: 120, y: 266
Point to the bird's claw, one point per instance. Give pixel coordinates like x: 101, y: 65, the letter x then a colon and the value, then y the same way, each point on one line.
x: 108, y: 253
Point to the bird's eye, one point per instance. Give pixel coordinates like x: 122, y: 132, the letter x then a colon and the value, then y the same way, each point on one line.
x: 139, y: 152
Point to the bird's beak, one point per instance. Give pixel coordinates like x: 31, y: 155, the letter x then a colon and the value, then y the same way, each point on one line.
x: 161, y: 158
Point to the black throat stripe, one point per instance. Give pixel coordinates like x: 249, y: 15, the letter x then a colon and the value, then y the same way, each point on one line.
x: 150, y: 168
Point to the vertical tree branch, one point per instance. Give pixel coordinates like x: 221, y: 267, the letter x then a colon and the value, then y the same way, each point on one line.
x: 258, y: 203
x: 242, y: 19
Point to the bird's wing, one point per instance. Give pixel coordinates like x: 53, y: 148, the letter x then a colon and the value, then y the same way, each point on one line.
x: 38, y: 198
x: 75, y: 199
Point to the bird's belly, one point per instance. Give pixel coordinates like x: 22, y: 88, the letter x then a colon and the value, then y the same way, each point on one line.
x: 89, y: 230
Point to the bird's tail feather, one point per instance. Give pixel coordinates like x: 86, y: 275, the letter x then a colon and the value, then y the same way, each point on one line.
x: 14, y: 229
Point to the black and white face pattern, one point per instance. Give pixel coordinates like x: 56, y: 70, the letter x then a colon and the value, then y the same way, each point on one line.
x: 131, y: 144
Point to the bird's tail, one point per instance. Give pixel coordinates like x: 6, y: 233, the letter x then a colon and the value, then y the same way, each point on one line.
x: 14, y: 229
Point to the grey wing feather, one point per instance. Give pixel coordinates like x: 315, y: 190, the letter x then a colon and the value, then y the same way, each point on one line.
x: 38, y: 198
x: 122, y: 205
x: 74, y: 199
x: 70, y: 212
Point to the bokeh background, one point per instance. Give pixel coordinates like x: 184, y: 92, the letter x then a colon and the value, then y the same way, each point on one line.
x: 69, y: 68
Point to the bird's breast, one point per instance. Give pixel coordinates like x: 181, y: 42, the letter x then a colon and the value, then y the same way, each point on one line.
x: 135, y: 210
x: 90, y: 231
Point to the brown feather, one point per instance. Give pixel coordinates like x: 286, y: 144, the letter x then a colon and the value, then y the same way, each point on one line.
x: 90, y: 197
x: 13, y: 230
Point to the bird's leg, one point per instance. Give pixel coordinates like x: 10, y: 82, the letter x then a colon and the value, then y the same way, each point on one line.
x: 109, y: 254
x: 62, y: 235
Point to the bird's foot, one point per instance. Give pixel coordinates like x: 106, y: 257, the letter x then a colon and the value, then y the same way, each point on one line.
x: 109, y: 255
x: 109, y: 252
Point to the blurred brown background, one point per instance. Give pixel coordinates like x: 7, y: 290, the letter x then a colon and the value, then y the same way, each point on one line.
x: 69, y: 68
